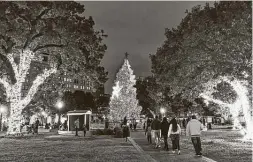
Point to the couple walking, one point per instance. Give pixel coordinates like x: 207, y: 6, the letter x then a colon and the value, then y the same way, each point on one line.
x: 166, y: 129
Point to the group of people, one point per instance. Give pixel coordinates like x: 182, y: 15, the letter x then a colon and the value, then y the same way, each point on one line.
x: 172, y: 130
x: 33, y: 128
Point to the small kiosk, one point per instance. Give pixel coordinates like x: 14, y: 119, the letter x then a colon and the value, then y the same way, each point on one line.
x: 84, y: 118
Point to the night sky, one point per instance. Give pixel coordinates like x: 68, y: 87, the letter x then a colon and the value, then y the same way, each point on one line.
x: 134, y: 27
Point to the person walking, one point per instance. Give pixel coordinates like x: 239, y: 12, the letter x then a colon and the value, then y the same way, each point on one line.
x: 77, y: 126
x: 164, y: 132
x: 37, y: 122
x: 155, y: 126
x: 84, y: 129
x: 174, y: 132
x: 148, y: 132
x: 126, y: 132
x: 193, y: 129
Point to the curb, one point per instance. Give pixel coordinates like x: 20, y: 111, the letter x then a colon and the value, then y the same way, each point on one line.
x: 207, y: 159
x: 146, y: 156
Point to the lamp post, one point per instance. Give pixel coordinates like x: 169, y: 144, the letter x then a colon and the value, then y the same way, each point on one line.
x: 162, y: 110
x: 2, y: 109
x: 59, y: 105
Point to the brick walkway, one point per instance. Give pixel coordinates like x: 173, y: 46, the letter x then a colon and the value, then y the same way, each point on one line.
x: 187, y: 155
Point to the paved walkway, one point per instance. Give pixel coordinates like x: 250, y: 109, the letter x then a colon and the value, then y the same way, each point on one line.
x: 161, y: 155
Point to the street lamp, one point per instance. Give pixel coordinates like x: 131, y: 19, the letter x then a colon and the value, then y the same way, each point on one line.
x: 162, y: 110
x: 59, y: 105
x: 2, y: 110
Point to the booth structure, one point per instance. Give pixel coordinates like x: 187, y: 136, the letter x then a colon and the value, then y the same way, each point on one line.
x: 84, y: 117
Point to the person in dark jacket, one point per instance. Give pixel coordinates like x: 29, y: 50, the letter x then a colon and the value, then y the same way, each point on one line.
x: 164, y: 131
x: 126, y: 132
x: 37, y: 122
x: 156, y: 126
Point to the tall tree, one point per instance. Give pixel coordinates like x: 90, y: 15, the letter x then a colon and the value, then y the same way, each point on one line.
x: 209, y: 42
x: 123, y: 100
x: 211, y: 46
x: 30, y: 29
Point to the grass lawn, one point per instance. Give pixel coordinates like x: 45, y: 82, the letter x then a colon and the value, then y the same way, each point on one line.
x: 223, y: 145
x: 67, y: 148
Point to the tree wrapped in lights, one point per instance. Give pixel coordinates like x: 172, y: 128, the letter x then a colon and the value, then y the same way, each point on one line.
x: 123, y: 100
x: 30, y: 30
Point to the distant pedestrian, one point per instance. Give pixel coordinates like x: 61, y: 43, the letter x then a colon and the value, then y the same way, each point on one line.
x: 37, y: 122
x: 148, y: 132
x: 131, y: 126
x: 126, y: 132
x: 135, y: 125
x: 184, y: 123
x: 155, y: 125
x: 77, y: 126
x: 125, y: 121
x: 193, y: 129
x: 84, y: 129
x: 204, y: 121
x: 164, y: 132
x: 174, y: 132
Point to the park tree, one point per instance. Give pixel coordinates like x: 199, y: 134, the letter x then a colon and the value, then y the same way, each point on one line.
x: 143, y: 86
x: 123, y: 101
x: 208, y: 43
x: 29, y: 30
x: 211, y: 46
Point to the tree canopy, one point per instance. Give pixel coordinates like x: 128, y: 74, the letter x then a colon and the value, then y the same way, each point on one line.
x: 55, y: 29
x: 208, y: 43
x: 29, y: 31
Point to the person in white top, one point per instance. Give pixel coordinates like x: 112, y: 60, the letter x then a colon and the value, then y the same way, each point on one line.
x: 193, y: 129
x: 174, y: 132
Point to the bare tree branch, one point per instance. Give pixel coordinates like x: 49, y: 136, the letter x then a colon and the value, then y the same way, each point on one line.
x: 29, y: 40
x: 5, y: 83
x: 48, y: 46
x: 42, y: 14
x: 36, y: 83
x: 13, y: 64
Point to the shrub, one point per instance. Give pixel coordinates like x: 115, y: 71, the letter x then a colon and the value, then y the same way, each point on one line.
x: 118, y: 132
x: 108, y: 132
x: 98, y: 132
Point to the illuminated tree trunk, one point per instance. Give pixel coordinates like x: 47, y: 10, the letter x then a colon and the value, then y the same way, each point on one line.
x: 14, y: 91
x: 241, y: 103
x: 14, y: 119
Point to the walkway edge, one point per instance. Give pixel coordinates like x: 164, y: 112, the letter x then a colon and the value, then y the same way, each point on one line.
x: 146, y: 156
x: 208, y: 159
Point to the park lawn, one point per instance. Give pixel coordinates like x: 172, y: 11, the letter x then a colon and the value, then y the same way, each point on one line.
x: 67, y: 148
x: 223, y: 145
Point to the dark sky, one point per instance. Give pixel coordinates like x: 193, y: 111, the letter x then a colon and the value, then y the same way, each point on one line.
x: 134, y: 27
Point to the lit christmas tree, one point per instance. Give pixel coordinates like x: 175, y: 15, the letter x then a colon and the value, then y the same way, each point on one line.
x: 123, y: 101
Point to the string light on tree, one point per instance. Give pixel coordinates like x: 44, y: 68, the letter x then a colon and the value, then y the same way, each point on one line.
x: 123, y: 101
x: 241, y: 104
x: 13, y: 91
